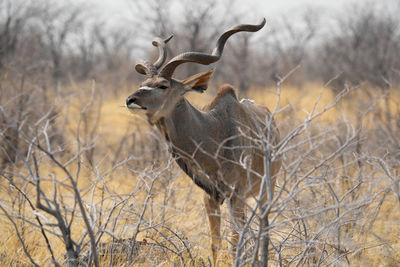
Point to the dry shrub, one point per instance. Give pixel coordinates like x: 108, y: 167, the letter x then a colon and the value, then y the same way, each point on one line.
x: 334, y: 203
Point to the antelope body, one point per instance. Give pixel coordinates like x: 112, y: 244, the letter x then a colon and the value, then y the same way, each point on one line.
x: 218, y: 147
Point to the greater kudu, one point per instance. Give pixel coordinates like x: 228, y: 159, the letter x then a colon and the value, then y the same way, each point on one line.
x: 218, y: 147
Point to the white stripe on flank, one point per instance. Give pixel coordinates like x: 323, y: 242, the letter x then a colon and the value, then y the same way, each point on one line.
x: 247, y: 100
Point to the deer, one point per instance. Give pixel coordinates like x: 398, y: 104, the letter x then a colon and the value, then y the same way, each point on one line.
x: 217, y: 146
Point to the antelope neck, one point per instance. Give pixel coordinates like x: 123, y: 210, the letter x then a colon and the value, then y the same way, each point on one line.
x: 183, y: 114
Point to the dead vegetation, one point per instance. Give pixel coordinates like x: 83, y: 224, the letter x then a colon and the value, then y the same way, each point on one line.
x: 79, y: 172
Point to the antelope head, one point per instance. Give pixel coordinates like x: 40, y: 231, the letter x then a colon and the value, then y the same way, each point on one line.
x: 159, y: 93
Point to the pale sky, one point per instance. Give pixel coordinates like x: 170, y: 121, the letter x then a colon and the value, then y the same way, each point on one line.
x: 269, y: 8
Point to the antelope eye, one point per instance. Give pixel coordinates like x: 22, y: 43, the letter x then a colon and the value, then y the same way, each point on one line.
x: 163, y: 87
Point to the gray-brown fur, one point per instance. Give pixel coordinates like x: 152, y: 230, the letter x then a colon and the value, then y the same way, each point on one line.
x: 208, y: 140
x: 210, y: 144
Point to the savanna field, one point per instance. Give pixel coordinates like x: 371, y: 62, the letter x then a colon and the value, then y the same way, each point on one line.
x: 132, y: 189
x: 86, y: 182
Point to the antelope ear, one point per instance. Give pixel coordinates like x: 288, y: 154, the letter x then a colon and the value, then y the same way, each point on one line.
x: 198, y: 82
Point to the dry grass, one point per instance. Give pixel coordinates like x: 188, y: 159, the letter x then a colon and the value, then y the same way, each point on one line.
x: 175, y: 202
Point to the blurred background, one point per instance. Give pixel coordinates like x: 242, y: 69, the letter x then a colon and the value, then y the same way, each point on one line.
x: 353, y: 41
x: 330, y: 70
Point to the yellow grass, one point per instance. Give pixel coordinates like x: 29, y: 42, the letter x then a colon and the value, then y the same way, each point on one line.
x: 187, y: 214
